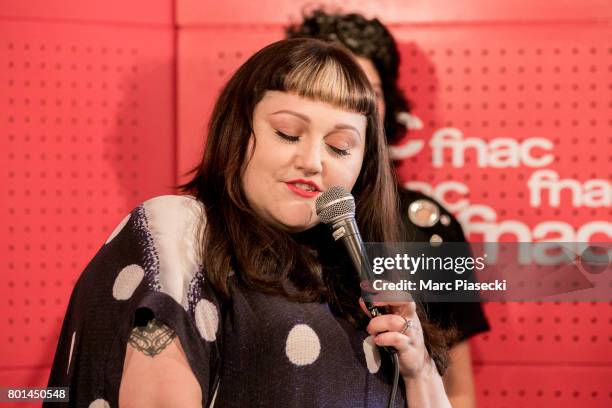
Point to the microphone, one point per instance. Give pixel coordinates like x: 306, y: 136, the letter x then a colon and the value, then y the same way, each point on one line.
x: 336, y: 208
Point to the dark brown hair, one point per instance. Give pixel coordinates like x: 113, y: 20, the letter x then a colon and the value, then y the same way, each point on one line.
x: 234, y: 236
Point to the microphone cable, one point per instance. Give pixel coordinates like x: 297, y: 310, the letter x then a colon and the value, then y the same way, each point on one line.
x: 395, y: 380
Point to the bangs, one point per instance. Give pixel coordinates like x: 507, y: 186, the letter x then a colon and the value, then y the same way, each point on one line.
x: 333, y: 79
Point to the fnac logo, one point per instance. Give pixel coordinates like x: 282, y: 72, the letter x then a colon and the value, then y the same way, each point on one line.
x: 449, y: 146
x: 412, y: 146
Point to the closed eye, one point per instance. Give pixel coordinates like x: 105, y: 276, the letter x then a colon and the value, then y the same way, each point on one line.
x: 293, y: 139
x: 340, y: 152
x: 287, y: 137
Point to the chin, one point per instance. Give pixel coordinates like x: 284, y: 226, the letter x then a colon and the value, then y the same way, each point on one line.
x: 298, y: 221
x: 296, y: 226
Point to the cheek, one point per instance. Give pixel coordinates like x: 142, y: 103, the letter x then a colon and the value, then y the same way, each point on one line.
x: 346, y: 172
x: 254, y: 177
x: 262, y: 162
x: 265, y: 168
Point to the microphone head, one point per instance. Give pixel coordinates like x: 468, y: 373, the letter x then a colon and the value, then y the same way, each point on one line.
x: 334, y: 204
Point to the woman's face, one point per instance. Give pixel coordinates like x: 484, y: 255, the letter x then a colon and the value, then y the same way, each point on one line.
x: 299, y: 149
x: 370, y: 70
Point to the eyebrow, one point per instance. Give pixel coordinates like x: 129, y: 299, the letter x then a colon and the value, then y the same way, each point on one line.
x: 339, y: 126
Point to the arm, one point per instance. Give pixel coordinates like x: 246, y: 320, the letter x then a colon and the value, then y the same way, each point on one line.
x: 426, y: 390
x: 156, y: 372
x: 459, y: 379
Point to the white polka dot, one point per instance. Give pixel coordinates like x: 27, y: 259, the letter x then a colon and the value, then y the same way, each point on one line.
x: 303, y: 346
x: 118, y: 228
x: 127, y: 281
x: 70, y: 353
x: 372, y: 355
x: 207, y: 319
x: 99, y: 403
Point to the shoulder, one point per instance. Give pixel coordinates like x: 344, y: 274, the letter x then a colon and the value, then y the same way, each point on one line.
x: 168, y: 220
x: 166, y: 213
x: 172, y: 211
x: 173, y: 219
x: 165, y: 229
x: 426, y: 219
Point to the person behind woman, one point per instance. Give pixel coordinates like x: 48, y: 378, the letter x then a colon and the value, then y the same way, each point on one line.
x: 424, y: 219
x: 237, y: 296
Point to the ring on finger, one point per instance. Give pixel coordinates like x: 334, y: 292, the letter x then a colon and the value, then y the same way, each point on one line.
x: 409, y: 323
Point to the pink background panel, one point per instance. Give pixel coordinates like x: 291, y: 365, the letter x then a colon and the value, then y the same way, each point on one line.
x: 530, y: 385
x: 549, y: 82
x: 196, y: 12
x: 545, y: 333
x: 156, y: 12
x: 88, y: 132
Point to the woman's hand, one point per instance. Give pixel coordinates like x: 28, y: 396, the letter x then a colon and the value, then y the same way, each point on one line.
x: 401, y: 329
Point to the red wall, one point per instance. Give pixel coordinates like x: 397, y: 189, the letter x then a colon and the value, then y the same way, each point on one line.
x: 87, y: 113
x: 103, y: 106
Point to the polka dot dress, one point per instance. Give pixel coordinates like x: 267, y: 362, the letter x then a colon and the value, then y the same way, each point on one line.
x: 255, y: 351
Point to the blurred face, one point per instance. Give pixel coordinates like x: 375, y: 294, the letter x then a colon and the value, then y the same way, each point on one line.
x: 299, y: 148
x: 370, y: 70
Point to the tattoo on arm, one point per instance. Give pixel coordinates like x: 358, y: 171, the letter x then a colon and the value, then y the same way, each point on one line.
x: 151, y: 339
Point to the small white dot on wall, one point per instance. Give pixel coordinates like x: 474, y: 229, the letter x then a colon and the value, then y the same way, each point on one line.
x: 372, y: 355
x: 99, y: 403
x: 303, y: 345
x: 207, y: 319
x: 127, y: 281
x: 118, y: 229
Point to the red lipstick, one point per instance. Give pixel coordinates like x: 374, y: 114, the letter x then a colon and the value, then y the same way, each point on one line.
x: 300, y: 191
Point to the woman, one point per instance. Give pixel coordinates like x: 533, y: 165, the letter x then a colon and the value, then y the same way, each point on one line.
x: 237, y: 296
x: 424, y: 219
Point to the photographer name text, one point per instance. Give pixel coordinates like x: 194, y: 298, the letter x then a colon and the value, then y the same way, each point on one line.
x: 465, y: 285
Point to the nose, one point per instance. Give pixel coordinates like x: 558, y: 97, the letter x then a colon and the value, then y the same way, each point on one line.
x: 309, y: 157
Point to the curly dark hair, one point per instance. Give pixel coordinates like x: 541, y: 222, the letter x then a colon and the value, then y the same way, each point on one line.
x: 369, y: 39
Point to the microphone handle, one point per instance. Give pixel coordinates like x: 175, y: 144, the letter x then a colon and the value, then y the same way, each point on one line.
x: 347, y: 231
x: 377, y: 311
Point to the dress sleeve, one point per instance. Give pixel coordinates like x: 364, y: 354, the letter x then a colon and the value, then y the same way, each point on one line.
x: 467, y: 318
x: 149, y: 261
